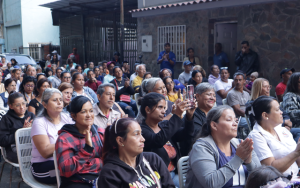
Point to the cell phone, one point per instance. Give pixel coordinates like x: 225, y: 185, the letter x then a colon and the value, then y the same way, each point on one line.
x: 190, y: 95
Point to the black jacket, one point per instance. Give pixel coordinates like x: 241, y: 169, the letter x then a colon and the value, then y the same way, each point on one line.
x: 125, y: 91
x: 117, y: 174
x: 199, y: 120
x: 9, y: 124
x: 172, y: 131
x: 248, y: 63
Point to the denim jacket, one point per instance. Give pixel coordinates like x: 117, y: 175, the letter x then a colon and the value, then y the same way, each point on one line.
x: 89, y: 92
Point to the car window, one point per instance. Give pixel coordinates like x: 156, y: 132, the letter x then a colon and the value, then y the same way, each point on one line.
x: 21, y: 59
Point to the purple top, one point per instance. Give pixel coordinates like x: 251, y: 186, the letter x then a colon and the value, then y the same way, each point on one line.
x: 42, y: 126
x: 249, y: 86
x: 212, y: 79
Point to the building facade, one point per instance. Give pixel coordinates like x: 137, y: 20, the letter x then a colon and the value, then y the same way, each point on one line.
x: 271, y: 27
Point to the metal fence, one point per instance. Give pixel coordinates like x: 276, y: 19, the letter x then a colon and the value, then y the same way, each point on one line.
x: 100, y: 35
x: 39, y: 53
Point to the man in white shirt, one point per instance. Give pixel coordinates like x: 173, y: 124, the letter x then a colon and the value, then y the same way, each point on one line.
x: 185, y: 76
x: 104, y: 114
x: 223, y: 86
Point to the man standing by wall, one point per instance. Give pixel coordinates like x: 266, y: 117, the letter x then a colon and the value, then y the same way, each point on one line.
x: 247, y: 60
x: 167, y: 59
x: 220, y: 57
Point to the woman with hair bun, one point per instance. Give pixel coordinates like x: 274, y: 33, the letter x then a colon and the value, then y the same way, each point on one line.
x: 125, y: 163
x: 273, y: 144
x: 79, y: 147
x: 218, y: 159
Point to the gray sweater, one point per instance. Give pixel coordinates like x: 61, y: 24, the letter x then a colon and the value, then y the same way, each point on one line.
x: 204, y: 171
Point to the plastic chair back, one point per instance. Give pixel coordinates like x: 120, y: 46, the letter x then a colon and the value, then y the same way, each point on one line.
x: 224, y: 101
x: 248, y: 122
x: 3, y: 152
x: 136, y: 98
x: 183, y: 166
x: 56, y: 169
x: 24, y: 148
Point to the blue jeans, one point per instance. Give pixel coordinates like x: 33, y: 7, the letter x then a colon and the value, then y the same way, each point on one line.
x: 129, y: 108
x: 175, y: 178
x: 296, y: 133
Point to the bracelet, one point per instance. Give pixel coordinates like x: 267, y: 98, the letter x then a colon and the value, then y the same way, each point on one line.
x: 171, y: 113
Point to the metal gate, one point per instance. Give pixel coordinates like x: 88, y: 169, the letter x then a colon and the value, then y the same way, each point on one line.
x: 176, y: 36
x: 100, y: 35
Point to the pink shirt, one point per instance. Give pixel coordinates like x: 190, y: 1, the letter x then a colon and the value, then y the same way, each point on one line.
x: 42, y: 126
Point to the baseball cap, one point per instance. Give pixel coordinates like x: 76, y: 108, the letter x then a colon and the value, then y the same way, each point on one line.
x: 187, y: 62
x: 16, y: 67
x: 110, y: 62
x: 286, y: 70
x: 167, y: 44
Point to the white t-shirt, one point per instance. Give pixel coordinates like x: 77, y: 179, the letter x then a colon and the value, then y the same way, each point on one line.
x: 266, y: 145
x: 220, y: 85
x: 42, y: 126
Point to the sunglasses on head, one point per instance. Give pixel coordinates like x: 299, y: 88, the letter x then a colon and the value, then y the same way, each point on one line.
x: 222, y: 68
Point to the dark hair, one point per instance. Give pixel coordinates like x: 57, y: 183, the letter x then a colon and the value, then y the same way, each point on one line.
x: 77, y: 103
x: 40, y: 83
x: 25, y: 81
x: 62, y: 74
x: 54, y: 61
x: 40, y: 74
x: 69, y: 61
x: 195, y: 72
x: 13, y: 96
x: 151, y: 100
x: 96, y: 68
x: 115, y: 69
x: 75, y: 76
x: 261, y: 175
x: 245, y: 42
x: 13, y: 59
x: 212, y: 116
x: 146, y: 75
x: 292, y: 85
x: 91, y: 63
x: 110, y: 145
x: 77, y: 66
x: 259, y: 105
x: 47, y: 71
x: 58, y: 68
x: 189, y: 50
x: 8, y: 81
x: 193, y: 76
x: 87, y: 73
x: 117, y: 53
x: 212, y: 67
x: 74, y: 70
x: 161, y: 75
x: 165, y: 82
x: 15, y: 70
x: 219, y: 45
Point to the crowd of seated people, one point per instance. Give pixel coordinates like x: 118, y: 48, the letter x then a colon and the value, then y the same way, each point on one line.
x: 113, y: 127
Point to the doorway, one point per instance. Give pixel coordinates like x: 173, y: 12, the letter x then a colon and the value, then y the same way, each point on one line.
x: 226, y: 34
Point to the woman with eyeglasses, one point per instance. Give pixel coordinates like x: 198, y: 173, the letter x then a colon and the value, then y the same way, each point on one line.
x: 35, y: 105
x: 17, y: 117
x: 79, y: 161
x: 218, y: 159
x: 171, y: 92
x: 125, y: 163
x: 273, y: 144
x: 81, y: 90
x: 66, y: 89
x: 223, y: 86
x: 167, y: 72
x: 10, y: 87
x: 27, y: 88
x: 44, y: 134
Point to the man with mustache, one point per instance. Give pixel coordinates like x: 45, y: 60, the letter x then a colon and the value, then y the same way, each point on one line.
x: 237, y: 98
x: 104, y: 114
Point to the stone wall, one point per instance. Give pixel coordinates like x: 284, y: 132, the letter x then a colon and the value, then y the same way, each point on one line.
x: 272, y: 29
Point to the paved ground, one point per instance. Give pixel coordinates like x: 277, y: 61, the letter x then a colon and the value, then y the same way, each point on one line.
x: 16, y: 177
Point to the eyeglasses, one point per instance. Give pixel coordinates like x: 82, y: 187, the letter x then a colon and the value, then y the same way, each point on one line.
x: 20, y: 104
x: 223, y: 68
x: 30, y: 86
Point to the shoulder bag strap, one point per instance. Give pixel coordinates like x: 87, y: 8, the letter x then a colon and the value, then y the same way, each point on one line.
x: 153, y: 174
x: 116, y: 84
x: 100, y: 142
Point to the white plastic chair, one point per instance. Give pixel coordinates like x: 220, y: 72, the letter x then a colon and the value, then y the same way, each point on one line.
x: 57, y: 173
x: 136, y: 98
x: 24, y: 147
x: 183, y: 166
x: 3, y: 152
x: 224, y: 101
x: 248, y: 122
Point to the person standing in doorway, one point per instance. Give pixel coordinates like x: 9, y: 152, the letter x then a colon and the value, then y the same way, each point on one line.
x: 191, y: 57
x: 220, y: 57
x: 167, y: 59
x: 247, y: 60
